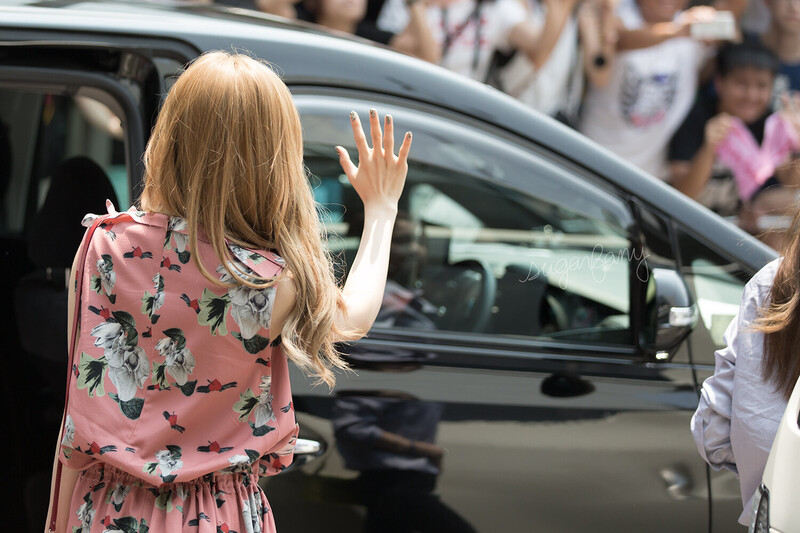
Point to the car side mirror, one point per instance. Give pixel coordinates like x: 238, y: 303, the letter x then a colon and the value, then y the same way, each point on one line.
x: 672, y: 311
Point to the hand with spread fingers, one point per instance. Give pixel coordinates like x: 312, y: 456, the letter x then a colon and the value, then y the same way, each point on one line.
x: 380, y: 175
x: 378, y: 179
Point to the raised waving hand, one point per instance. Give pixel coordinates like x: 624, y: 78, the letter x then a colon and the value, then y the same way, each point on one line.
x: 380, y: 175
x: 378, y: 179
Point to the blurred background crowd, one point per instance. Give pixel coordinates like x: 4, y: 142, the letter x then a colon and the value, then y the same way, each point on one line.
x: 699, y: 94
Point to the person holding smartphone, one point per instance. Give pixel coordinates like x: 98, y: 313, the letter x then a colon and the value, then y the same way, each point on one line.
x: 649, y: 84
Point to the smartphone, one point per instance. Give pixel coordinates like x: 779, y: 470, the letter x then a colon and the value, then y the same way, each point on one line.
x: 722, y: 28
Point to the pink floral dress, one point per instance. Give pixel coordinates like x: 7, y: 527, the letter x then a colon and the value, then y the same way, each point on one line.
x: 179, y: 398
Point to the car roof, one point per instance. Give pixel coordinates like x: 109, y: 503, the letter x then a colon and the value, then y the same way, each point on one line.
x: 295, y: 48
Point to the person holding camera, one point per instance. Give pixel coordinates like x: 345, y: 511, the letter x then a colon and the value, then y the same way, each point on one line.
x: 649, y: 83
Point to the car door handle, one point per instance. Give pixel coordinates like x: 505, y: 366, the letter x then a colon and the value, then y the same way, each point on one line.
x: 305, y: 451
x: 678, y: 482
x: 307, y: 447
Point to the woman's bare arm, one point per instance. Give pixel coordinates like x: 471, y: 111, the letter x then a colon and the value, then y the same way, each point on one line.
x: 536, y: 43
x: 378, y: 179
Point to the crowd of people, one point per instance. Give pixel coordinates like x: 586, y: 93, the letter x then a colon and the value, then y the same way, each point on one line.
x: 700, y: 96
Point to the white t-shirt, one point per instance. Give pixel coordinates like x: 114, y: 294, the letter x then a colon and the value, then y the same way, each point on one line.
x: 649, y: 94
x: 475, y: 31
x: 558, y: 84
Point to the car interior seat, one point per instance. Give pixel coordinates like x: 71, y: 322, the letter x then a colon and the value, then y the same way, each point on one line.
x: 78, y: 186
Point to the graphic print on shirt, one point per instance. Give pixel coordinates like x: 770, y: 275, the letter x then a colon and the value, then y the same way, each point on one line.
x: 645, y: 99
x: 167, y: 463
x: 259, y: 406
x: 250, y: 308
x: 153, y: 302
x: 107, y: 278
x: 179, y: 362
x: 107, y: 226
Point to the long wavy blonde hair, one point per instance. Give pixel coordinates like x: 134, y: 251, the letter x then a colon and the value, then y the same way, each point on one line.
x: 226, y: 154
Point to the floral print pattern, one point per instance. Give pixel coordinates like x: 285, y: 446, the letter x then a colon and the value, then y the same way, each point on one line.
x: 181, y: 362
x: 85, y: 515
x: 260, y: 407
x: 176, y: 239
x: 263, y: 410
x: 253, y: 513
x: 117, y: 496
x: 167, y: 463
x: 250, y: 308
x: 153, y: 302
x: 106, y: 278
x: 128, y: 369
x: 128, y: 366
x: 115, y: 501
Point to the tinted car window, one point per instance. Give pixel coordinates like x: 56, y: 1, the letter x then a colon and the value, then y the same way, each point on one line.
x: 473, y: 252
x: 717, y: 283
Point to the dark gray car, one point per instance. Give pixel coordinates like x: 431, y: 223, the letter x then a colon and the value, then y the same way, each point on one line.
x: 550, y: 313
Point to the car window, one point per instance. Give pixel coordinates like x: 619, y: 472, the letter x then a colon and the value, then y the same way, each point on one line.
x: 490, y: 237
x: 717, y: 284
x: 39, y: 132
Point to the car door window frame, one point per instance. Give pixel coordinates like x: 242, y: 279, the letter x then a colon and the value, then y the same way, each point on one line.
x: 42, y: 79
x: 14, y: 74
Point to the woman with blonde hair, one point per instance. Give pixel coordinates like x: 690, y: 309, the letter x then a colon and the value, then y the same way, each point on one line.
x: 188, y: 307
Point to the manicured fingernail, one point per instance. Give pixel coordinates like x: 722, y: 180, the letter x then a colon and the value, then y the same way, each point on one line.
x: 388, y: 119
x: 373, y: 113
x: 353, y: 115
